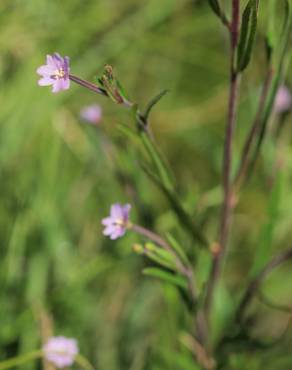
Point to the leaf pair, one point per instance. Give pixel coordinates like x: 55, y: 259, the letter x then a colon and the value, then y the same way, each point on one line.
x: 247, y: 32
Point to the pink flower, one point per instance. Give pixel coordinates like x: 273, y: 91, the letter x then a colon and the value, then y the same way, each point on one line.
x: 118, y: 221
x: 61, y: 351
x: 283, y: 101
x: 91, y: 113
x: 55, y: 73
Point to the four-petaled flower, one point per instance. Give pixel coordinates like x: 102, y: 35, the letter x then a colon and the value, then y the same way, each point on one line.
x: 55, y: 72
x: 92, y: 114
x: 61, y: 351
x: 118, y: 221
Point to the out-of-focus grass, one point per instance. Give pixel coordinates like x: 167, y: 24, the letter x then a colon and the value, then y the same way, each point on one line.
x: 58, y: 274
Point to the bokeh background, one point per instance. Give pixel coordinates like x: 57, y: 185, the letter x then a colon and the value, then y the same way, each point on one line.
x: 59, y: 176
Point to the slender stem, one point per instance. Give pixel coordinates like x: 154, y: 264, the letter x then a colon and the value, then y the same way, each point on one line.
x: 242, y: 169
x: 228, y: 201
x: 20, y: 360
x: 88, y: 85
x: 234, y: 30
x: 256, y: 282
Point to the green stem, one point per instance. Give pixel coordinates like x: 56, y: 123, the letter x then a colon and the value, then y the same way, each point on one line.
x: 20, y: 360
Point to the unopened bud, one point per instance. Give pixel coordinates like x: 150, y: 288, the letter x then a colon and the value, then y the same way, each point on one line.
x: 138, y: 248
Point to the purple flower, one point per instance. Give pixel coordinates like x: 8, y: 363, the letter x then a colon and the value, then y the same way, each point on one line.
x: 118, y: 221
x: 61, y: 351
x: 55, y: 72
x: 91, y: 113
x: 283, y: 101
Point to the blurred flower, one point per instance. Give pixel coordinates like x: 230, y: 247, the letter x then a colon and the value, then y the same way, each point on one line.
x: 283, y: 100
x: 91, y: 113
x: 61, y: 351
x: 118, y: 221
x: 55, y: 72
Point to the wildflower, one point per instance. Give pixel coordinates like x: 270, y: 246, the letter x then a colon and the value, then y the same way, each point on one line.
x: 61, y: 351
x: 91, y: 114
x: 118, y: 221
x: 55, y: 72
x: 283, y: 101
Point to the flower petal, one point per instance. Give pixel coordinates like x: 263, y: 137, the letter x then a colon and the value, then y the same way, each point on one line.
x: 109, y: 230
x: 60, y: 84
x: 50, y: 61
x: 46, y: 81
x: 65, y: 83
x: 107, y: 221
x: 46, y: 70
x: 116, y: 211
x: 126, y: 210
x: 119, y: 232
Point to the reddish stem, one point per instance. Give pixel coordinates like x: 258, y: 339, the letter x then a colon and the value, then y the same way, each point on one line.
x: 228, y: 201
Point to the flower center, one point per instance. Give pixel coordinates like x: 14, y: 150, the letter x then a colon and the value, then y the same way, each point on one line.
x: 119, y: 222
x: 59, y: 73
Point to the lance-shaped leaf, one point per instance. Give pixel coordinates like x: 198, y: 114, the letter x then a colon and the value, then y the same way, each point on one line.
x: 214, y: 4
x: 247, y: 35
x: 152, y: 103
x: 177, y: 248
x: 157, y: 160
x: 166, y: 276
x: 129, y: 132
x: 160, y: 256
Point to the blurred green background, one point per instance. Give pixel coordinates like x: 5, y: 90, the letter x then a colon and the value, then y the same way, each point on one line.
x: 58, y: 274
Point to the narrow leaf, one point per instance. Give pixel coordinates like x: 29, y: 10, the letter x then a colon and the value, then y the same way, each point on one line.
x: 152, y: 103
x: 128, y: 131
x: 159, y: 261
x: 157, y: 160
x: 160, y: 255
x: 247, y: 35
x: 166, y: 276
x: 215, y: 6
x: 177, y: 248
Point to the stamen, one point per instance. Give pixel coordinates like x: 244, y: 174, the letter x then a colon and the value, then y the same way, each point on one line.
x: 59, y: 73
x: 119, y: 222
